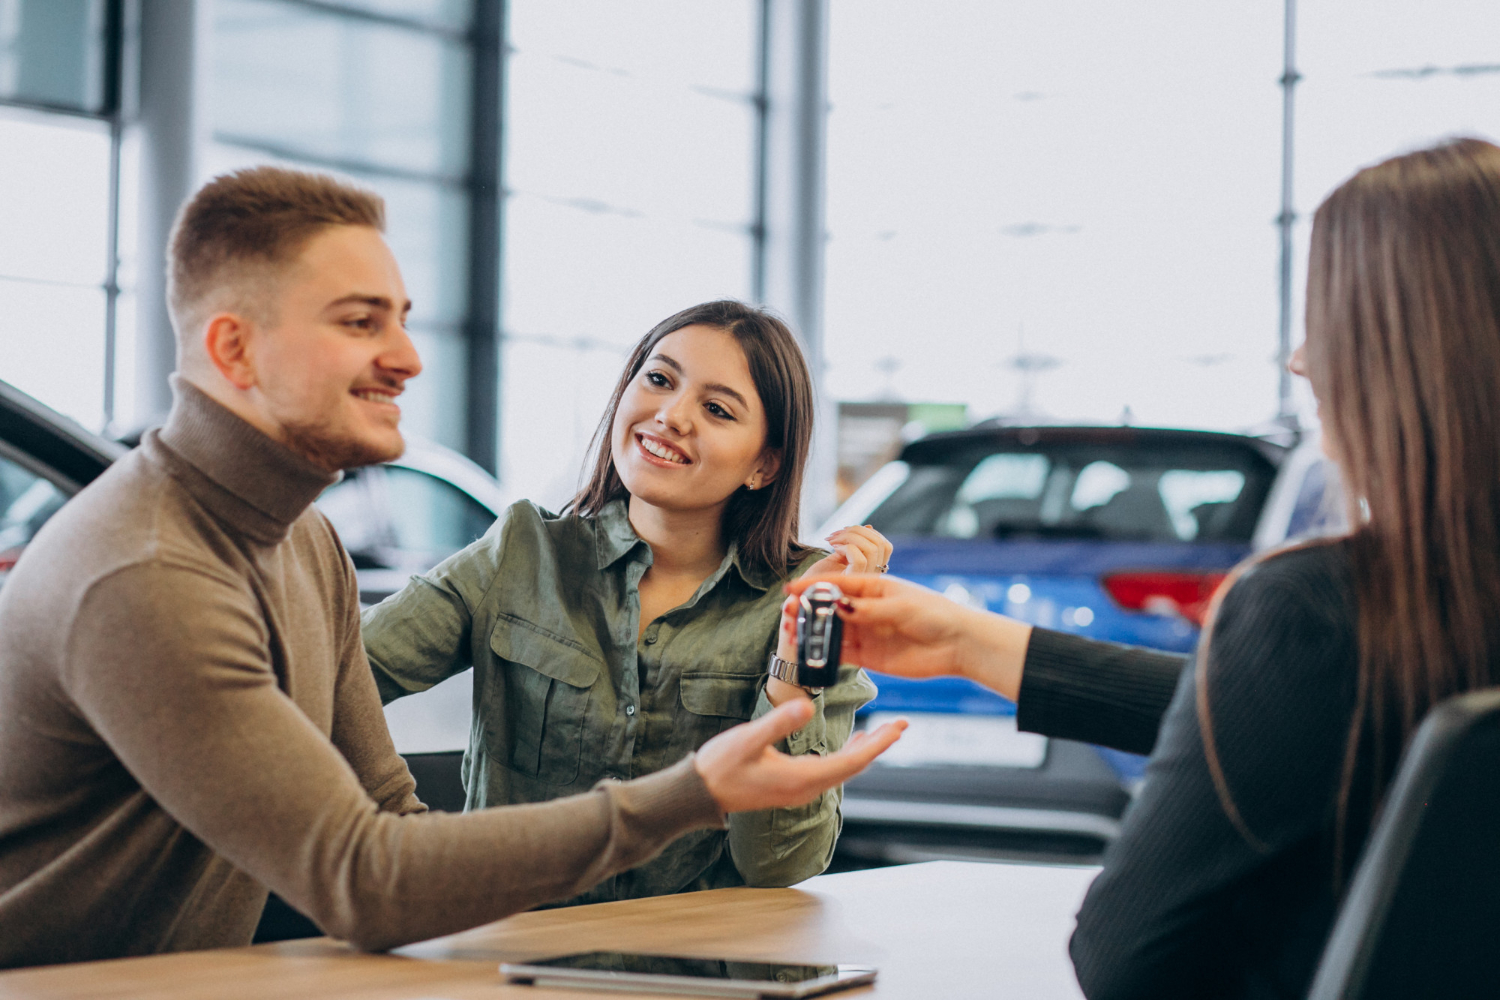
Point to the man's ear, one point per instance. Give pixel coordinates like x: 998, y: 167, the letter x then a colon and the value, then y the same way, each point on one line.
x: 765, y: 473
x: 227, y: 344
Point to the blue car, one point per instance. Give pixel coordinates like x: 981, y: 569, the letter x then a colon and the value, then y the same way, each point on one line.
x: 1118, y: 533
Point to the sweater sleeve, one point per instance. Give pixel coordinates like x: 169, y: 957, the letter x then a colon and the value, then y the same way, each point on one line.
x: 192, y: 708
x: 1160, y: 920
x: 1097, y: 692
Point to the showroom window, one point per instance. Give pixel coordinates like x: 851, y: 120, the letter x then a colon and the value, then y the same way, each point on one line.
x: 379, y: 92
x: 1088, y: 192
x: 1382, y: 79
x: 1087, y: 197
x: 630, y: 159
x: 56, y: 53
x: 1079, y: 198
x: 57, y: 155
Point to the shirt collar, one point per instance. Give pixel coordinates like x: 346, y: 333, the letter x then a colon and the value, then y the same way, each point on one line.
x: 615, y: 539
x: 758, y: 579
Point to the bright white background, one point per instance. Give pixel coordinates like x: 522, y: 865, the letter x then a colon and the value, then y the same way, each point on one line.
x: 54, y: 214
x: 1102, y: 179
x: 630, y: 156
x: 1097, y: 178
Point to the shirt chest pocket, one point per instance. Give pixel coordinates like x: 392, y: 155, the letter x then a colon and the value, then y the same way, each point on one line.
x: 546, y: 687
x: 716, y: 701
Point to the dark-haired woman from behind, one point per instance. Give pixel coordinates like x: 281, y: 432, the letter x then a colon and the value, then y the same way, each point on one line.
x: 1318, y: 662
x: 617, y: 637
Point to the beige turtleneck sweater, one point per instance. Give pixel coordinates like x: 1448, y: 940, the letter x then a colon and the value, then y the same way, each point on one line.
x: 187, y: 717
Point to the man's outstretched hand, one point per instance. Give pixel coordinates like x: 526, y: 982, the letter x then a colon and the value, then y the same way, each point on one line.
x: 744, y: 771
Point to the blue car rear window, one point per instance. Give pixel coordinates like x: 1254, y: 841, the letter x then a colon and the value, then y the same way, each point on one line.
x: 1139, y: 492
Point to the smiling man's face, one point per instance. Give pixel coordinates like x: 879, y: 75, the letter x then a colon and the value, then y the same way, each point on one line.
x: 335, y: 354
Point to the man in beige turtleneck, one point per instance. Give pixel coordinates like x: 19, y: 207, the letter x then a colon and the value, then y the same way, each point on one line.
x: 186, y: 713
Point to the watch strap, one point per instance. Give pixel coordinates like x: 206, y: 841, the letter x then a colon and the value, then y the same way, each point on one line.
x: 786, y: 670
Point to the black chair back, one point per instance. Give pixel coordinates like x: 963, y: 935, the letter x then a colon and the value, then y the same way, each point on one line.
x: 439, y: 777
x: 1422, y: 916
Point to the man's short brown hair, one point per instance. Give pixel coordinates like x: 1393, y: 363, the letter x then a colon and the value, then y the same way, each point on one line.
x: 232, y: 238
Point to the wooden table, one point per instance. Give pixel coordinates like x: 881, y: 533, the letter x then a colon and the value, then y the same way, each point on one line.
x: 943, y: 929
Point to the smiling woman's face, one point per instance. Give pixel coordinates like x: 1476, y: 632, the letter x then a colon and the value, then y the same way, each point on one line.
x: 690, y: 428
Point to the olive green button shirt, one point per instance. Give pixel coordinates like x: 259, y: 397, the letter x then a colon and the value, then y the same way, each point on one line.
x: 546, y: 610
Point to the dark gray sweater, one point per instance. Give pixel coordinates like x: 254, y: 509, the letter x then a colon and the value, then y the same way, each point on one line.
x: 1188, y: 905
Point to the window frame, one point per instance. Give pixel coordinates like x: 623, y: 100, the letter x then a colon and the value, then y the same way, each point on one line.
x: 112, y: 114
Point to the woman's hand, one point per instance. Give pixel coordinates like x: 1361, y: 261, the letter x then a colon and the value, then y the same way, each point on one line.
x: 858, y: 548
x: 744, y: 771
x: 899, y: 628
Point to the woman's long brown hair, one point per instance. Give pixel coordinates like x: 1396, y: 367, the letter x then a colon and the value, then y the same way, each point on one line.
x: 764, y: 522
x: 1403, y: 350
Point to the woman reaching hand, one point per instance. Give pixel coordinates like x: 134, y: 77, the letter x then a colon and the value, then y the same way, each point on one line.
x: 616, y: 638
x: 1319, y: 661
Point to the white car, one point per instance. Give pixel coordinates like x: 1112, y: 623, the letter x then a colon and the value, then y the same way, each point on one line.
x: 1306, y: 501
x: 407, y: 515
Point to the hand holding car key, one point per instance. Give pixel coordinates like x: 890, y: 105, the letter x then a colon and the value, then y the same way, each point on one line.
x: 820, y: 636
x: 809, y: 652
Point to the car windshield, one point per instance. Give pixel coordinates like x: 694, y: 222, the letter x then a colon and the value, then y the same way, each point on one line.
x: 390, y: 516
x: 1143, y: 491
x: 26, y: 502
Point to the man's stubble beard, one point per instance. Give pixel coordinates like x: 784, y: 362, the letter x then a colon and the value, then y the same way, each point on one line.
x: 321, y: 445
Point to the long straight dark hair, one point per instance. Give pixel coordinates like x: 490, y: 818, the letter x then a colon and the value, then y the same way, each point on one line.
x: 763, y: 522
x: 1403, y: 350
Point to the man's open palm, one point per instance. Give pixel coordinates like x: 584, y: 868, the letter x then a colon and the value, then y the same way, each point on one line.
x: 744, y: 771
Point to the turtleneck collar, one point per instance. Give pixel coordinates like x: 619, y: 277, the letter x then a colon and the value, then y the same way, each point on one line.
x: 243, y: 477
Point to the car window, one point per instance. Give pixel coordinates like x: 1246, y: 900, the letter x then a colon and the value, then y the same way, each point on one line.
x: 1195, y: 497
x: 920, y: 504
x: 1098, y: 483
x: 1145, y: 492
x: 1319, y: 507
x: 431, y: 515
x: 26, y: 502
x: 350, y: 504
x: 1008, y: 482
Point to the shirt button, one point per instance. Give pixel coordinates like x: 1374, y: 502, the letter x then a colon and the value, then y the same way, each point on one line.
x: 629, y: 709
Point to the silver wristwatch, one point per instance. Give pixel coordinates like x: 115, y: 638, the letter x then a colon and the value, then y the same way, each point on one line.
x: 786, y: 670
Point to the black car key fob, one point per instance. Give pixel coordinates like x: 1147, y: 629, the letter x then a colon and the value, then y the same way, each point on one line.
x: 820, y: 635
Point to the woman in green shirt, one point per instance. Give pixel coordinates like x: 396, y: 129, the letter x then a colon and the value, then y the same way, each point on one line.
x: 616, y: 638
